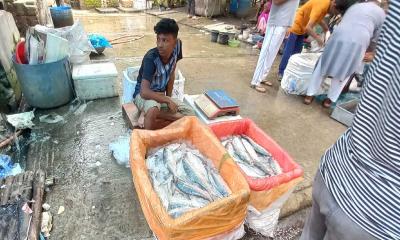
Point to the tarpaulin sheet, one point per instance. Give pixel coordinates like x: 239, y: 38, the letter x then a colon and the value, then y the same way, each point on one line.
x: 263, y: 190
x: 216, y: 218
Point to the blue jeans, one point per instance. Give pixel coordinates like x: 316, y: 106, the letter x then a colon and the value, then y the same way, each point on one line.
x: 294, y: 44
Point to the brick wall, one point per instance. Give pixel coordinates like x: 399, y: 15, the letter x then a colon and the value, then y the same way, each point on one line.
x: 24, y: 13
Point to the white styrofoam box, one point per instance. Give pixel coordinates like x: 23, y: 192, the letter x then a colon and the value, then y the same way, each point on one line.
x: 141, y: 4
x: 189, y: 100
x: 96, y: 80
x: 129, y: 84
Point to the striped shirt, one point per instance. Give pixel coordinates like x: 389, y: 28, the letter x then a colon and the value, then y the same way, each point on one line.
x: 362, y: 169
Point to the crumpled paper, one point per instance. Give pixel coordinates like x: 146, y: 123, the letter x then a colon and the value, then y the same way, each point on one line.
x: 21, y: 120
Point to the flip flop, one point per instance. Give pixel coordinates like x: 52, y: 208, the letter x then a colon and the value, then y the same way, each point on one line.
x: 268, y: 83
x: 259, y: 88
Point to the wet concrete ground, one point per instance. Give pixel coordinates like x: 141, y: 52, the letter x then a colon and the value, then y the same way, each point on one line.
x: 98, y: 195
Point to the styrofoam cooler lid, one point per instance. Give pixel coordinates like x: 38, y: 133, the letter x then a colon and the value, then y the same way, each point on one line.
x: 94, y: 70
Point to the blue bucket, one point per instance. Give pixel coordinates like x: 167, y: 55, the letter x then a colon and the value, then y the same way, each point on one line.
x: 46, y: 85
x: 62, y: 16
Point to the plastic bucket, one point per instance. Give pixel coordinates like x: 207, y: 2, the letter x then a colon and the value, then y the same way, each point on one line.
x: 45, y: 85
x: 129, y: 83
x: 223, y: 38
x: 61, y: 16
x: 243, y: 9
x: 214, y: 35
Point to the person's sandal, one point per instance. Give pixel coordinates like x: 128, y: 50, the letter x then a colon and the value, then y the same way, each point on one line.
x: 308, y: 100
x: 327, y: 103
x: 259, y: 88
x: 268, y: 83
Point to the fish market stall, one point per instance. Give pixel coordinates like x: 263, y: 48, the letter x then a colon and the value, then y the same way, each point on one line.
x: 269, y: 170
x: 188, y: 186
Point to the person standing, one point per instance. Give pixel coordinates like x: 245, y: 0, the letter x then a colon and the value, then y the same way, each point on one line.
x: 357, y: 187
x: 191, y: 9
x: 310, y: 14
x: 263, y: 17
x: 344, y: 52
x: 280, y: 18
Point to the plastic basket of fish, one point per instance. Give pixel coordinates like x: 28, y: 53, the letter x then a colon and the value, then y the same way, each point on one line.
x: 268, y: 169
x: 188, y: 186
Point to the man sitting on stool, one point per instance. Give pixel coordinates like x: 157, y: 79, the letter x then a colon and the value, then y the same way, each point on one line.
x: 157, y: 76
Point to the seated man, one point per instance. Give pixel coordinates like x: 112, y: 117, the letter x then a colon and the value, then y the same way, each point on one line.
x: 156, y: 79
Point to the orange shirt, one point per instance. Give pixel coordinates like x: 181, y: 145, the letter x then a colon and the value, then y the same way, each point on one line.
x: 312, y: 11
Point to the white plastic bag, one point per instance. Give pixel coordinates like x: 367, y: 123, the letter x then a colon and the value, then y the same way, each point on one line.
x: 298, y: 74
x: 265, y: 222
x: 78, y: 41
x: 120, y: 149
x: 235, y: 234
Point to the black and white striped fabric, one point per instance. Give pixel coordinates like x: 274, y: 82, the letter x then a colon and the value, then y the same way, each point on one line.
x: 362, y: 169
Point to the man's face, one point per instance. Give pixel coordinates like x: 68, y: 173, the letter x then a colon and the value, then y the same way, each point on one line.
x: 165, y: 44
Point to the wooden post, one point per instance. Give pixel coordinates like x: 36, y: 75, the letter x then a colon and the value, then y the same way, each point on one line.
x: 41, y: 9
x: 38, y: 191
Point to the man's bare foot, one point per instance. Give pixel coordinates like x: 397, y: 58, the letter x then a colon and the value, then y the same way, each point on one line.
x: 327, y: 103
x: 259, y: 88
x: 308, y: 100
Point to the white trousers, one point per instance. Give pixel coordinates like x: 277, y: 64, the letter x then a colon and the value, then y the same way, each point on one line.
x: 316, y: 80
x: 273, y: 39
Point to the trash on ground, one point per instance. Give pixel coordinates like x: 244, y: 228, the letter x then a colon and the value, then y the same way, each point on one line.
x: 253, y: 159
x: 80, y: 109
x: 120, y: 149
x: 61, y: 210
x: 184, y: 179
x: 27, y: 209
x: 51, y: 118
x: 47, y: 224
x: 41, y: 236
x: 46, y: 206
x: 7, y: 168
x: 21, y: 120
x: 98, y: 164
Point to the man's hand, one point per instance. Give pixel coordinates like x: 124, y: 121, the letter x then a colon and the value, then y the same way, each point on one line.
x: 172, y: 106
x: 320, y: 42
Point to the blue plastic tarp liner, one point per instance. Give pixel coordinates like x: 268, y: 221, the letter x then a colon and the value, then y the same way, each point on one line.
x: 99, y: 41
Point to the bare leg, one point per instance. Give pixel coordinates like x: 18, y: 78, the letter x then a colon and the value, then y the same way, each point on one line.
x: 156, y: 119
x: 150, y: 118
x: 169, y: 116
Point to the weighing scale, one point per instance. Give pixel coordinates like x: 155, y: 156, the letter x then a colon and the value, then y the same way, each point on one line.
x: 216, y: 103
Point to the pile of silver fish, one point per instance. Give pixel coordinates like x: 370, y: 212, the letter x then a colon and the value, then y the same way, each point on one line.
x: 183, y: 178
x: 253, y: 159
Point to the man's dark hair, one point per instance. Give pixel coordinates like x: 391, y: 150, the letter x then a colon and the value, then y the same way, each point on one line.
x: 167, y: 26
